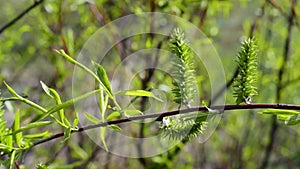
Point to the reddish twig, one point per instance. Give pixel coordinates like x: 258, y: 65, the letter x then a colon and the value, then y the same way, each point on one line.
x: 160, y: 116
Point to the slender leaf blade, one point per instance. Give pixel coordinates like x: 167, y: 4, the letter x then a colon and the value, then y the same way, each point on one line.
x: 113, y: 115
x: 31, y: 126
x: 102, y: 75
x: 46, y: 89
x: 114, y: 127
x: 16, y: 127
x: 92, y: 118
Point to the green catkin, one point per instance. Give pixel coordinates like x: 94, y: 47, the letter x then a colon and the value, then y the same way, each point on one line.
x: 244, y: 84
x: 183, y: 71
x: 183, y: 127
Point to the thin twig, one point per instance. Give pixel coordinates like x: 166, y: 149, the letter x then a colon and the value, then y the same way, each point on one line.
x: 160, y: 116
x: 13, y: 21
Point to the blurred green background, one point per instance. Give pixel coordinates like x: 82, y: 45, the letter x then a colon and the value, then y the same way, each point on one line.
x: 244, y: 139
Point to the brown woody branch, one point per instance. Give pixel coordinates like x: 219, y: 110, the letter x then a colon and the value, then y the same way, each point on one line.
x: 160, y: 116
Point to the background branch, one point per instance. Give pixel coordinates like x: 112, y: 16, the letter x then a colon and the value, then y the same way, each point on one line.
x: 13, y: 21
x: 274, y: 125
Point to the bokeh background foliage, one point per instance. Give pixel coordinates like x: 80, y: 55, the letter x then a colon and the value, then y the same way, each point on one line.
x: 244, y: 139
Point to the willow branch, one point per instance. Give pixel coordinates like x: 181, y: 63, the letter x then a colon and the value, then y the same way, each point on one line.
x: 160, y: 116
x: 13, y: 21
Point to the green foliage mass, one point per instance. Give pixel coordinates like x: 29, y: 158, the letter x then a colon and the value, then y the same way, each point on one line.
x: 240, y: 141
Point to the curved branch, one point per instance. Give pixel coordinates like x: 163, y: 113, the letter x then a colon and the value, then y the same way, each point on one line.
x: 13, y: 21
x: 159, y: 116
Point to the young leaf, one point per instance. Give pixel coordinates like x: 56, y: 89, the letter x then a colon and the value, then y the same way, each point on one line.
x: 140, y: 93
x: 37, y: 135
x: 89, y: 71
x: 76, y: 120
x: 16, y: 127
x: 132, y: 112
x: 293, y: 120
x: 12, y: 159
x: 31, y: 126
x: 113, y: 115
x: 102, y: 137
x: 114, y: 127
x: 46, y: 89
x: 67, y: 134
x: 280, y: 112
x: 41, y: 166
x: 28, y: 102
x: 101, y: 73
x: 11, y: 90
x: 92, y: 118
x: 67, y: 104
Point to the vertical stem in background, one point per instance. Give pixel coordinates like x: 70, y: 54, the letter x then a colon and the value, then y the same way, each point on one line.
x: 148, y: 77
x: 274, y: 125
x: 202, y: 16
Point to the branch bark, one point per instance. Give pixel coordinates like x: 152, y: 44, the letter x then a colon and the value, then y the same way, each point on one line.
x: 160, y: 116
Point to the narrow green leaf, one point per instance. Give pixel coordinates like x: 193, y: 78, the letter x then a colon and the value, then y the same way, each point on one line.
x: 38, y: 135
x: 76, y: 120
x: 101, y: 73
x: 78, y: 151
x: 11, y: 90
x: 102, y: 136
x: 67, y: 104
x: 12, y: 159
x: 140, y: 93
x: 4, y: 147
x: 31, y: 125
x: 280, y: 112
x: 283, y: 117
x: 293, y: 120
x: 114, y: 127
x: 16, y: 127
x: 132, y: 112
x: 92, y: 118
x: 9, y: 142
x: 46, y: 89
x: 67, y: 134
x: 61, y: 112
x: 113, y: 115
x: 89, y: 71
x: 134, y: 93
x: 26, y: 101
